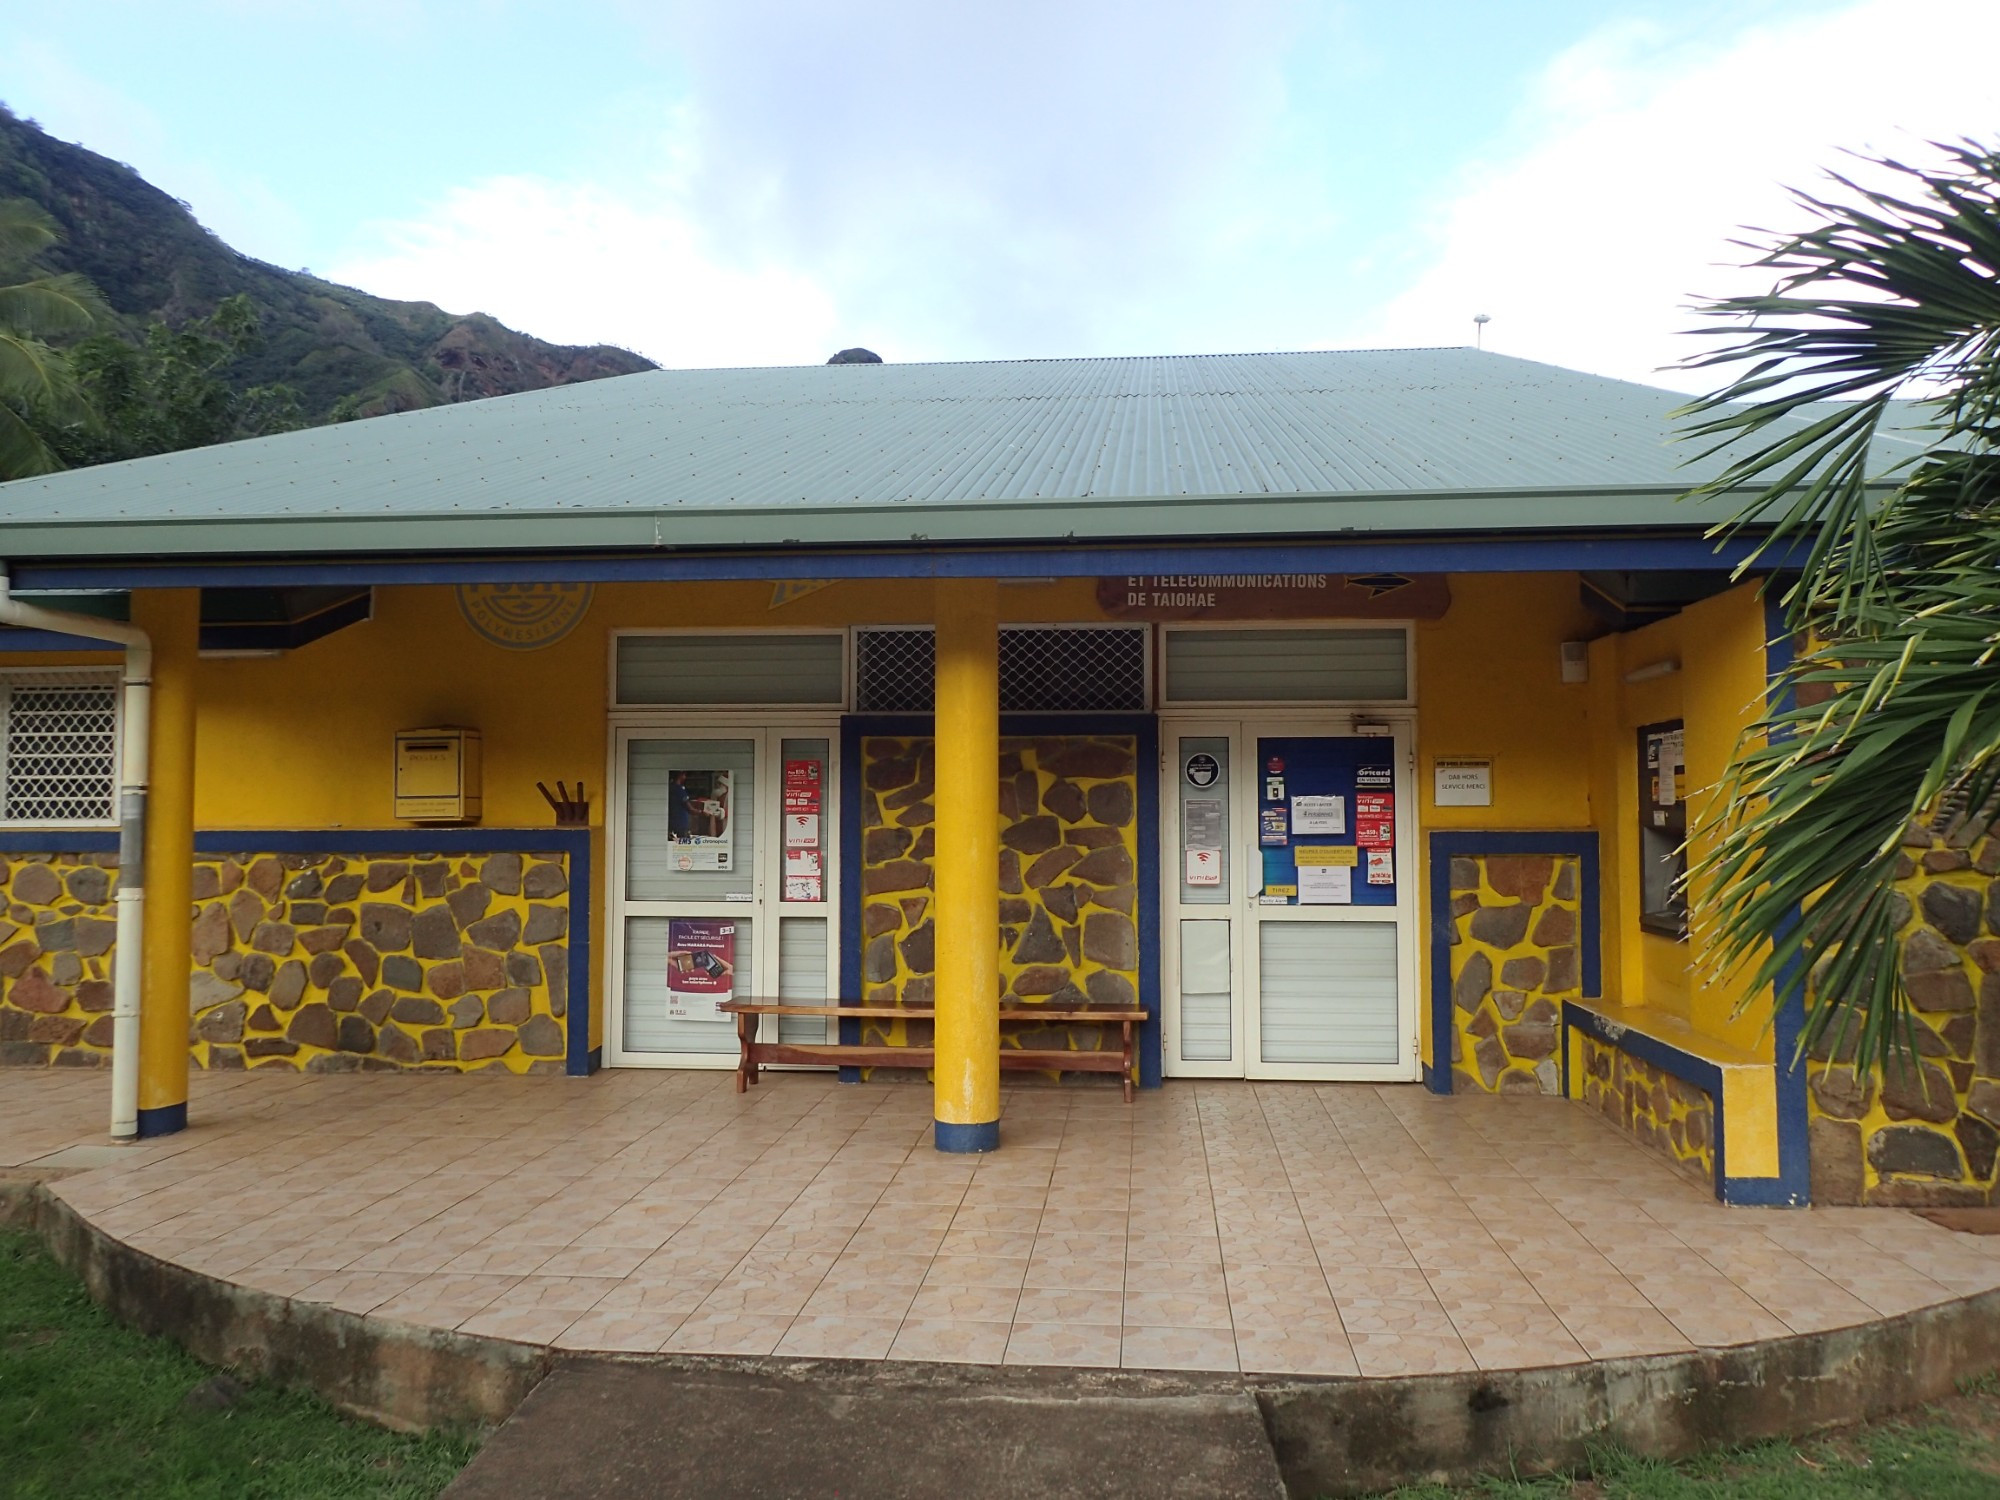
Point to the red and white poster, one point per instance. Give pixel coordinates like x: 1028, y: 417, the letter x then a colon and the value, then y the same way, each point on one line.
x: 1375, y: 820
x: 701, y: 967
x: 805, y: 876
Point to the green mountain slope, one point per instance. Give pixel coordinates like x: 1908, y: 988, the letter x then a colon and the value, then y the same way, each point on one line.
x: 336, y: 346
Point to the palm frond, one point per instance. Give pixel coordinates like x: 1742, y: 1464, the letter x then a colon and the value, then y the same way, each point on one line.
x: 1896, y: 699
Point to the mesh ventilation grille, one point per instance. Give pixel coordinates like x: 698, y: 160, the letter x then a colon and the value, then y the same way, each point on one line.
x: 1043, y: 669
x: 895, y: 672
x: 61, y: 748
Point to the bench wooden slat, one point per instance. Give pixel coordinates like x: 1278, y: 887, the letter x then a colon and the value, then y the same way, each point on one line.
x: 755, y: 1053
x: 919, y: 1013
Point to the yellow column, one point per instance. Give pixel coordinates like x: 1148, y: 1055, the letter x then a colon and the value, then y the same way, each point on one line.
x: 172, y: 617
x: 967, y: 865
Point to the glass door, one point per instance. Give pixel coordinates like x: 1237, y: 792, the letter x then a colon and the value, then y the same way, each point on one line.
x: 1289, y: 932
x: 722, y: 887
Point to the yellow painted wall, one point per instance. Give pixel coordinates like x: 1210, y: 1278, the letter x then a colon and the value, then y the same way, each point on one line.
x: 1717, y: 691
x: 304, y: 740
x: 1489, y: 685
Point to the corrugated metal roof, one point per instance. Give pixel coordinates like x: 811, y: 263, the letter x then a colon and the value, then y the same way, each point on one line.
x: 1401, y: 441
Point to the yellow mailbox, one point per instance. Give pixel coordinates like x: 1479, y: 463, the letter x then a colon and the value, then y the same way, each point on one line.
x: 437, y: 775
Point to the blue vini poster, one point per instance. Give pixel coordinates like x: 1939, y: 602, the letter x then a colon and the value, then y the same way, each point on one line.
x: 1326, y: 820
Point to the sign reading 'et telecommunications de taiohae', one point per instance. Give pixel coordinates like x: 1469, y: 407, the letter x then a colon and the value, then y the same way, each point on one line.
x: 1275, y: 596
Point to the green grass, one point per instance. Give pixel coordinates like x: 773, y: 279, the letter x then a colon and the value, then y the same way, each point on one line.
x: 89, y: 1408
x: 1947, y: 1452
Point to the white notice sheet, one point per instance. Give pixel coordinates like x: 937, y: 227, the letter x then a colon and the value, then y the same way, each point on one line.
x: 1326, y: 885
x: 1319, y: 815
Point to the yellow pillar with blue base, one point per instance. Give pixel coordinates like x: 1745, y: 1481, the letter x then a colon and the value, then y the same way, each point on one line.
x: 172, y: 617
x: 967, y: 865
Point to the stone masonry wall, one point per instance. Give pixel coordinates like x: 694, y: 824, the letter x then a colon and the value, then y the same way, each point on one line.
x: 1068, y: 881
x: 55, y: 958
x: 336, y: 963
x: 1928, y: 1134
x: 315, y: 962
x: 1514, y: 960
x: 1660, y: 1111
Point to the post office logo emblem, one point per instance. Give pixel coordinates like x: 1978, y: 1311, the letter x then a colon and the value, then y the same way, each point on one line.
x: 523, y: 616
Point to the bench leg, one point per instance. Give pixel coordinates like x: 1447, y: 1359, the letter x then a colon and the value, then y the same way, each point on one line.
x: 1125, y: 1073
x: 746, y: 1067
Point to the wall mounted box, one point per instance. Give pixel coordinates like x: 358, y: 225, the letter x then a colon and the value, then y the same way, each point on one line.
x: 437, y: 775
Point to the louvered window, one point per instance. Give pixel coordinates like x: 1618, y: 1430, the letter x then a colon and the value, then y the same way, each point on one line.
x: 58, y: 747
x: 1043, y: 669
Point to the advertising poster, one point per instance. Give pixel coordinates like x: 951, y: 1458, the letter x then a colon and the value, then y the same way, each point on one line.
x: 698, y: 814
x: 805, y: 877
x: 701, y: 967
x: 1381, y: 867
x: 1375, y: 820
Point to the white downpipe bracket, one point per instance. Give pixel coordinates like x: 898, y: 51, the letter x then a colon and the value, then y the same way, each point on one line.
x: 135, y: 737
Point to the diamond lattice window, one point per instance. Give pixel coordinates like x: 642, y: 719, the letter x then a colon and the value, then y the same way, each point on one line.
x: 1043, y: 669
x: 58, y: 747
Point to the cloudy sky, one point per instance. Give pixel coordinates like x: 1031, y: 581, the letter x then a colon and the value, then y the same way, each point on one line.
x: 766, y: 181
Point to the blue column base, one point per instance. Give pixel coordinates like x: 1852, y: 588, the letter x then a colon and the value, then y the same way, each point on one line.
x: 165, y: 1120
x: 984, y: 1136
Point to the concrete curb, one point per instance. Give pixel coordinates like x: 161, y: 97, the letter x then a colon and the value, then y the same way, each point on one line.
x: 397, y: 1374
x: 1331, y: 1436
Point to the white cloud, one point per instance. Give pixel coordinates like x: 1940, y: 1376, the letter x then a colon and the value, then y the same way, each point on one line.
x: 1026, y: 180
x: 1051, y: 177
x: 1610, y: 204
x: 578, y: 264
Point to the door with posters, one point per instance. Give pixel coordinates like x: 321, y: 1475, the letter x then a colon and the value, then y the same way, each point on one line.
x: 722, y: 886
x: 1289, y: 931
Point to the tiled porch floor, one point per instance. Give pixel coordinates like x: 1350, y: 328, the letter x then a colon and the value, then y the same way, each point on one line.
x: 1271, y: 1228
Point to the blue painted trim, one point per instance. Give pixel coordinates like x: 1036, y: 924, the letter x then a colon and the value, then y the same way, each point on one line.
x: 1699, y: 1071
x: 53, y: 640
x: 1453, y: 554
x: 287, y: 635
x: 580, y: 1058
x: 966, y: 1138
x: 58, y: 841
x: 1787, y: 1020
x: 1145, y: 730
x: 1581, y: 844
x: 390, y: 840
x: 849, y: 937
x: 1782, y: 1191
x: 168, y: 1119
x: 1152, y: 1038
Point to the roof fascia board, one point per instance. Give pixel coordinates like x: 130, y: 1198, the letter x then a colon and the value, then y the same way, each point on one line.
x: 1258, y: 516
x: 1423, y: 555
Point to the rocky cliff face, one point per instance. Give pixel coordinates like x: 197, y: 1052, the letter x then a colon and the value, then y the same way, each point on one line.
x: 345, y: 352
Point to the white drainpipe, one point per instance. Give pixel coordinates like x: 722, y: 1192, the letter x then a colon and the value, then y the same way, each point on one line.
x: 132, y: 776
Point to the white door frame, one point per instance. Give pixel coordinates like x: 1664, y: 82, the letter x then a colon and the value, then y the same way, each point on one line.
x: 763, y: 910
x: 1243, y: 729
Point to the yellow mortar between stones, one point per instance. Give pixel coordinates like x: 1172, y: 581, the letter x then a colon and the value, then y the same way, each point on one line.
x: 1068, y: 879
x: 1515, y: 958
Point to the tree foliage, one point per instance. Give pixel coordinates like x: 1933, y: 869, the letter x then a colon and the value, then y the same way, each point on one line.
x: 171, y: 389
x: 37, y: 387
x: 1889, y: 572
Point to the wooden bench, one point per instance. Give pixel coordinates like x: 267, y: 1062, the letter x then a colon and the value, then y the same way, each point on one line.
x: 756, y: 1054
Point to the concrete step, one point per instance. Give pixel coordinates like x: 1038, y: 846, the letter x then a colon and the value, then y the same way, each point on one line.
x: 610, y: 1431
